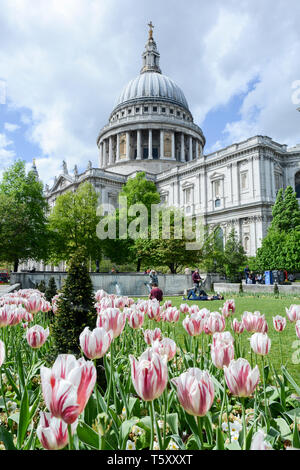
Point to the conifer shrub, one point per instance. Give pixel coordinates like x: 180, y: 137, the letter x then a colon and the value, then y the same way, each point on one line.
x: 42, y: 286
x: 51, y: 290
x: 75, y: 307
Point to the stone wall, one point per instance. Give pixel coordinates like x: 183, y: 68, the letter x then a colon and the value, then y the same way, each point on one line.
x: 122, y: 283
x: 223, y: 287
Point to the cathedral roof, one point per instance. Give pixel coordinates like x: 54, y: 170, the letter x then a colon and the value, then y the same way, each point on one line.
x: 151, y: 83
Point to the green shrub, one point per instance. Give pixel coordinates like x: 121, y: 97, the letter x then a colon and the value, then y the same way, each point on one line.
x: 51, y: 290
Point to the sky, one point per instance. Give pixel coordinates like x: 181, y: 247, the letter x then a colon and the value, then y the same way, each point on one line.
x: 64, y: 63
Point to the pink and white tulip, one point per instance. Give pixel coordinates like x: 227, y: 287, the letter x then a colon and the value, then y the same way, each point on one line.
x: 254, y: 322
x: 35, y: 303
x: 260, y: 343
x: 53, y: 432
x: 195, y: 391
x: 149, y: 374
x: 96, y: 343
x: 153, y: 310
x: 238, y: 327
x: 193, y: 325
x: 297, y: 327
x: 222, y: 351
x: 214, y: 323
x: 293, y: 313
x: 171, y: 315
x: 152, y: 335
x: 279, y: 323
x: 112, y: 319
x: 259, y: 443
x: 184, y: 308
x: 136, y: 319
x: 2, y: 353
x: 165, y: 347
x: 36, y: 336
x: 67, y: 386
x: 240, y: 378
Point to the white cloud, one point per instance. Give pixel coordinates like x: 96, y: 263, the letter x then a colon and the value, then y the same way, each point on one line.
x: 7, y: 154
x: 10, y: 127
x: 67, y: 61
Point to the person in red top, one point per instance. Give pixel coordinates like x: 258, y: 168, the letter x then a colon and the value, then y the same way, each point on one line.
x: 156, y: 293
x: 196, y: 279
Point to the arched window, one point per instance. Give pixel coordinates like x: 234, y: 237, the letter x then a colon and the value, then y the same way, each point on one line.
x: 297, y: 184
x: 247, y: 244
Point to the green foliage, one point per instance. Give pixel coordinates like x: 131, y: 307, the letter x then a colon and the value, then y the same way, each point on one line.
x: 73, y: 222
x: 51, y: 290
x: 75, y: 307
x: 212, y: 252
x: 281, y: 247
x: 42, y: 286
x: 234, y: 257
x: 23, y: 222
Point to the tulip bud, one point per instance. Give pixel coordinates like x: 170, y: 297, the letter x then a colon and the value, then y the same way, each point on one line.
x: 53, y: 432
x: 149, y: 375
x: 96, y: 343
x: 279, y: 323
x: 260, y: 343
x: 240, y: 378
x: 37, y: 336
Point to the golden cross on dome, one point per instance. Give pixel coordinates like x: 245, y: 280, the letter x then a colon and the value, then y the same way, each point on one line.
x: 150, y: 30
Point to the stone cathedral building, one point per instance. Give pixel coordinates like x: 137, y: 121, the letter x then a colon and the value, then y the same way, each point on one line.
x: 151, y: 129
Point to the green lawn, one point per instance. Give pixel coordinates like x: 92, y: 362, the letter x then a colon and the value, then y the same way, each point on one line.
x: 268, y: 305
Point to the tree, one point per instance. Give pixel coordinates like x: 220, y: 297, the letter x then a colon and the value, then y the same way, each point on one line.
x: 137, y: 190
x: 281, y: 248
x: 23, y: 220
x: 75, y: 307
x: 234, y: 257
x: 73, y: 223
x: 213, y: 251
x: 51, y: 290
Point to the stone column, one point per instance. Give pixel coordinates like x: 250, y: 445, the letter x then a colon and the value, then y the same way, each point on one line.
x: 110, y: 151
x: 150, y: 156
x: 127, y: 146
x: 273, y: 191
x: 182, y: 152
x: 162, y: 146
x: 257, y: 178
x: 104, y: 153
x: 268, y: 178
x: 173, y: 146
x: 101, y: 155
x: 197, y: 149
x: 139, y: 145
x: 118, y: 148
x: 236, y: 183
x: 191, y: 149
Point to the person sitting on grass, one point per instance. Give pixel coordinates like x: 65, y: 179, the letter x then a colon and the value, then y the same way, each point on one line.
x: 202, y: 296
x: 156, y: 293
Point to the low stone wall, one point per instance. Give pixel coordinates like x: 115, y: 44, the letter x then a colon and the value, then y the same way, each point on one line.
x: 224, y: 287
x: 132, y: 284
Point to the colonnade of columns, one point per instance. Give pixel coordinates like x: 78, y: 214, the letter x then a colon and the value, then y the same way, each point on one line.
x: 144, y: 144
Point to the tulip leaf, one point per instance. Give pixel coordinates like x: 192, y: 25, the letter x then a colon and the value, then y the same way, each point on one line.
x: 87, y: 435
x: 296, y: 437
x: 290, y: 380
x: 24, y: 419
x: 12, y: 383
x: 7, y: 439
x: 219, y: 439
x: 125, y: 430
x: 234, y: 445
x: 90, y: 411
x: 285, y: 430
x: 172, y: 420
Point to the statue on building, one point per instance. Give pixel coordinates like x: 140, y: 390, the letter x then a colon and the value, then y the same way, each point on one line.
x: 65, y: 168
x: 75, y: 171
x: 89, y: 167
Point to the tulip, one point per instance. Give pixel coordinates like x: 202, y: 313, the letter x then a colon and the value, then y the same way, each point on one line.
x: 254, y: 322
x: 224, y: 337
x: 100, y: 294
x: 222, y: 353
x: 298, y: 328
x: 214, y: 323
x: 259, y: 443
x: 293, y: 313
x: 194, y: 324
x: 171, y: 315
x: 228, y: 308
x: 136, y: 319
x: 153, y: 310
x: 165, y: 347
x: 96, y: 343
x: 11, y: 315
x: 279, y: 323
x: 195, y: 391
x: 238, y: 327
x: 53, y: 432
x: 112, y: 319
x: 67, y: 386
x: 142, y: 305
x: 2, y: 353
x: 240, y: 378
x: 37, y: 336
x: 35, y: 303
x: 184, y: 308
x: 152, y: 335
x: 149, y: 375
x: 194, y: 309
x: 167, y: 304
x: 260, y: 343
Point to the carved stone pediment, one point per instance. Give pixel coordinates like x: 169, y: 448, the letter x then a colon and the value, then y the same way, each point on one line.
x: 61, y: 182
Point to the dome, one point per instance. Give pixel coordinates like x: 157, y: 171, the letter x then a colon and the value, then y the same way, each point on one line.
x: 152, y: 85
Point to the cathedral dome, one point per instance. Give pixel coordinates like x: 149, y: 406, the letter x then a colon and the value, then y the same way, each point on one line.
x: 152, y: 85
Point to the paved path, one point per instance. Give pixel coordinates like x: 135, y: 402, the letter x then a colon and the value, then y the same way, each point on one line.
x: 4, y: 289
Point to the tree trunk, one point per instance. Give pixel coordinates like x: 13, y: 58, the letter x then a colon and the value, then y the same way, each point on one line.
x: 16, y: 265
x: 138, y: 267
